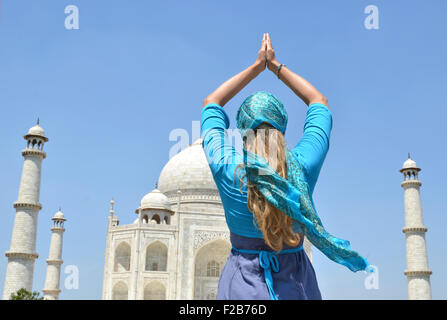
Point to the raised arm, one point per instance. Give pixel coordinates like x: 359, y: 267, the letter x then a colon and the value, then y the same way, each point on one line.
x: 226, y: 91
x: 299, y: 85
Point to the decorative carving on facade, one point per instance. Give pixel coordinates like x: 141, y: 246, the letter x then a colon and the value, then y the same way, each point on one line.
x: 202, y: 237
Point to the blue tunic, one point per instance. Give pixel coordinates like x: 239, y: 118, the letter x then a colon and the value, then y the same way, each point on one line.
x: 242, y: 276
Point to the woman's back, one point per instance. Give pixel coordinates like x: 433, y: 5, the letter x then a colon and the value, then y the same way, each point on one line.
x: 223, y: 158
x: 249, y: 272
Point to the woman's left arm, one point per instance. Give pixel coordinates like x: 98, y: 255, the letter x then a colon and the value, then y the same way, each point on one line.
x: 226, y: 91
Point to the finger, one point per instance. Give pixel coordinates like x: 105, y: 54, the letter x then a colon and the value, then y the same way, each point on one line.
x: 267, y: 41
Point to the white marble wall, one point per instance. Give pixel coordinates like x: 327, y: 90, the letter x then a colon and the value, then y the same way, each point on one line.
x: 181, y: 241
x: 419, y: 288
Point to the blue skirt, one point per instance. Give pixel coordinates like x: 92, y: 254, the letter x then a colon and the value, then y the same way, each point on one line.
x: 243, y: 278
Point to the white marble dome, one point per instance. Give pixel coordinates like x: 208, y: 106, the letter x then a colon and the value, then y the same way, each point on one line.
x: 36, y: 131
x: 155, y: 200
x: 187, y: 170
x: 59, y: 216
x: 410, y: 164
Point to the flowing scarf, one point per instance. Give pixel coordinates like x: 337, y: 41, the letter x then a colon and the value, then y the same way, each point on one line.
x: 291, y: 196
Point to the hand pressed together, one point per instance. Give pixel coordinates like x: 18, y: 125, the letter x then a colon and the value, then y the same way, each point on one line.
x: 266, y: 55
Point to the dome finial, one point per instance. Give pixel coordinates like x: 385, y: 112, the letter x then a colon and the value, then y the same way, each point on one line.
x: 38, y: 120
x: 112, y: 203
x: 408, y: 155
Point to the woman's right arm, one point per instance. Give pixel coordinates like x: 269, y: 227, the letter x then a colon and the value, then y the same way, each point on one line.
x: 300, y: 86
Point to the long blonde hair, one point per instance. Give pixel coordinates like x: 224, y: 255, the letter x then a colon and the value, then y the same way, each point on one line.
x: 267, y: 142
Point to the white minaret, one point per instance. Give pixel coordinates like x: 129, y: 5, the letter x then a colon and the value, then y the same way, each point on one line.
x: 108, y: 264
x: 54, y: 261
x: 417, y: 272
x: 22, y: 253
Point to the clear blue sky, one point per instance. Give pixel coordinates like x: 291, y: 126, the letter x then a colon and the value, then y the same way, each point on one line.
x: 109, y: 94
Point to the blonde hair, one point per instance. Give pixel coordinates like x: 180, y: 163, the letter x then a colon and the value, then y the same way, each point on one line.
x: 267, y: 142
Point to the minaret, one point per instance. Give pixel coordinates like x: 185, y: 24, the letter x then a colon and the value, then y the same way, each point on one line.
x: 113, y: 220
x: 108, y: 265
x: 54, y: 261
x: 22, y: 253
x: 417, y: 272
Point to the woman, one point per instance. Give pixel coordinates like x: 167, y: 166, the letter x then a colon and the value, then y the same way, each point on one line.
x: 267, y: 191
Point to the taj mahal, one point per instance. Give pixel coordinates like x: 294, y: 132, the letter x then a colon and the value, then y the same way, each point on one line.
x: 179, y: 241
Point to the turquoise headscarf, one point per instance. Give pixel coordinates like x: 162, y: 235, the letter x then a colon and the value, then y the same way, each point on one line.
x: 291, y: 196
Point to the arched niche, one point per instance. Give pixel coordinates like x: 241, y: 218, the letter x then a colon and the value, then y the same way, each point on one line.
x: 122, y: 257
x: 156, y: 257
x: 120, y: 291
x: 155, y: 290
x: 208, y: 264
x: 156, y: 218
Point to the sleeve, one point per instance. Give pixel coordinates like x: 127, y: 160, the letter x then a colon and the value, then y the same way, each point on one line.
x: 313, y: 146
x: 219, y: 150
